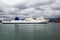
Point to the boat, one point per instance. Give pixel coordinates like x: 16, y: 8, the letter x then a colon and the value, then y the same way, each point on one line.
x: 26, y: 21
x: 57, y: 21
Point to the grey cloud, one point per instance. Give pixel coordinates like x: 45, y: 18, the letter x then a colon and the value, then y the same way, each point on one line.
x: 41, y: 9
x: 39, y: 3
x: 21, y: 7
x: 56, y: 8
x: 34, y: 9
x: 1, y: 10
x: 46, y: 3
x: 31, y: 12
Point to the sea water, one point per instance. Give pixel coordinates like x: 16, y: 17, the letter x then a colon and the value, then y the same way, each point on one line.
x: 50, y: 31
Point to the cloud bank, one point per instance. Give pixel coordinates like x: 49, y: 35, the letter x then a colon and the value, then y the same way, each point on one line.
x: 30, y: 8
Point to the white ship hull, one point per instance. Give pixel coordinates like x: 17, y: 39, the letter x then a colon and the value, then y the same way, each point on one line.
x: 24, y: 22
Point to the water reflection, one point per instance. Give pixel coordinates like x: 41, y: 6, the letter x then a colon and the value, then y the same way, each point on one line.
x: 30, y: 31
x: 16, y: 32
x: 0, y: 27
x: 23, y: 32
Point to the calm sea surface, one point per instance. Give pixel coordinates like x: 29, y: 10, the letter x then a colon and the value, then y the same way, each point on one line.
x: 50, y: 31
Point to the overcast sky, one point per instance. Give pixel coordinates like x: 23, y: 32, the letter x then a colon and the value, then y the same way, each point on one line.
x: 30, y: 8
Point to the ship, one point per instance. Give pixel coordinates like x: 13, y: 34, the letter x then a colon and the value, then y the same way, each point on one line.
x: 57, y: 21
x: 28, y: 20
